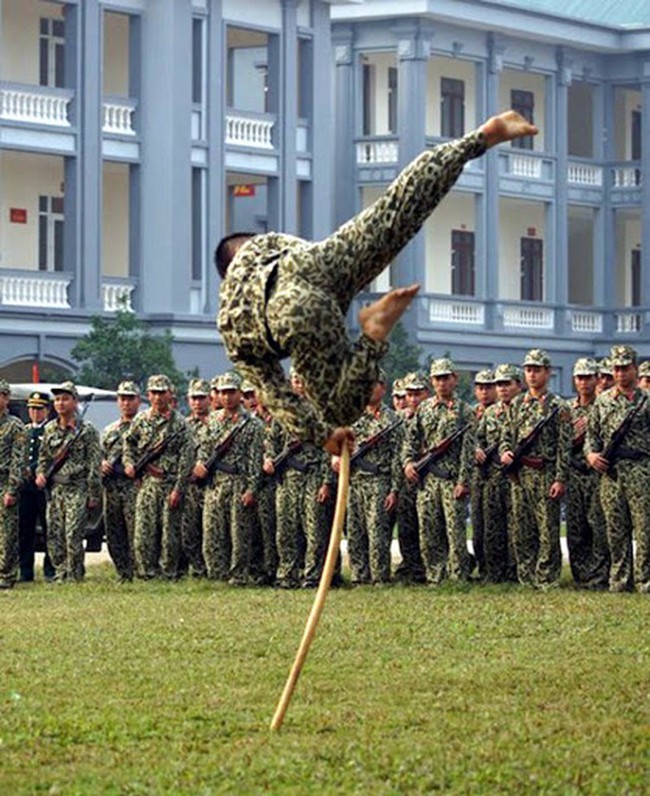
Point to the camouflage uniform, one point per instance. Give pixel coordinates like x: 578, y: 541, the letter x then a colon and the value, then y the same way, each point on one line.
x: 75, y: 484
x: 536, y: 528
x: 13, y: 468
x: 443, y: 533
x: 227, y: 523
x: 302, y: 522
x: 157, y: 540
x: 267, y: 564
x: 369, y: 525
x: 625, y: 489
x: 585, y: 522
x: 284, y: 296
x: 478, y: 485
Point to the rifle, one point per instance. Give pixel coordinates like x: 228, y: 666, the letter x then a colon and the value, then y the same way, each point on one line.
x: 614, y: 444
x: 357, y: 458
x: 155, y: 452
x: 64, y: 454
x: 117, y: 468
x: 528, y: 442
x: 426, y: 463
x: 285, y: 459
x: 489, y: 454
x: 220, y: 449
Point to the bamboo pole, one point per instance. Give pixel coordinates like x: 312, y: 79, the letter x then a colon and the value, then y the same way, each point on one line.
x: 323, y: 588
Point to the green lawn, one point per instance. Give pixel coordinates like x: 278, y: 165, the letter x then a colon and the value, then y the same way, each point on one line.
x: 169, y: 688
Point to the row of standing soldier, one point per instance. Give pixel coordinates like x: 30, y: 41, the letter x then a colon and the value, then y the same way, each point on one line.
x: 201, y: 496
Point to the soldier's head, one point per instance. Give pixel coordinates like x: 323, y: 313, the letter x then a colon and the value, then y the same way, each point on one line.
x: 159, y: 393
x: 66, y: 398
x: 128, y: 399
x: 644, y: 375
x: 230, y: 390
x: 5, y: 395
x: 399, y: 395
x: 443, y: 377
x: 415, y: 384
x: 585, y: 372
x: 227, y: 249
x: 215, y: 398
x: 485, y: 390
x: 623, y: 360
x: 507, y: 379
x: 537, y: 368
x: 38, y: 407
x: 605, y: 376
x: 249, y: 396
x: 198, y: 397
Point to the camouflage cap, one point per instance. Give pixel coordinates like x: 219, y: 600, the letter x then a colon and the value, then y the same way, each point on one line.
x: 622, y: 355
x: 644, y: 368
x: 247, y: 386
x: 198, y: 388
x: 585, y: 366
x: 506, y: 372
x: 65, y: 387
x: 537, y: 357
x: 214, y: 382
x: 5, y: 387
x: 159, y: 383
x: 38, y: 400
x: 605, y: 367
x: 230, y: 381
x: 442, y: 367
x: 484, y: 377
x: 414, y: 381
x: 128, y: 388
x: 398, y: 388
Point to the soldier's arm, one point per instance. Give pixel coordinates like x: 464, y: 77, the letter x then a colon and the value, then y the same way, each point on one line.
x: 396, y: 470
x: 130, y: 442
x: 44, y: 453
x: 186, y: 457
x: 468, y: 446
x: 92, y: 452
x: 19, y: 464
x: 253, y: 451
x: 564, y: 441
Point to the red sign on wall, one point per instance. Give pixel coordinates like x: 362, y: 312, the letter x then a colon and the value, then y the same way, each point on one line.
x: 17, y: 215
x: 244, y: 190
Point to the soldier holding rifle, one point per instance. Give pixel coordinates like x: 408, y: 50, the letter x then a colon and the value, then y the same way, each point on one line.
x: 617, y: 445
x: 485, y: 394
x: 68, y: 466
x: 443, y: 427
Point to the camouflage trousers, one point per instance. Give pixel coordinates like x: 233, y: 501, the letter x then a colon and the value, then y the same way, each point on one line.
x: 411, y: 567
x: 443, y: 531
x: 192, y: 530
x: 67, y: 514
x: 626, y: 504
x: 119, y: 525
x: 302, y: 531
x: 536, y: 529
x: 495, y: 548
x: 8, y: 542
x: 157, y: 540
x: 586, y: 533
x: 369, y: 529
x: 227, y: 529
x: 264, y: 554
x: 476, y: 513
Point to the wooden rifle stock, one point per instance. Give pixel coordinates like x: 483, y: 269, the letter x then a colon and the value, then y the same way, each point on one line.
x: 436, y: 453
x: 526, y: 445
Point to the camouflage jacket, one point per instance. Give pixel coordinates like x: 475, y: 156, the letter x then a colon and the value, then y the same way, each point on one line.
x: 147, y: 430
x: 244, y: 455
x: 436, y: 420
x: 554, y: 442
x: 309, y: 456
x: 610, y: 409
x: 578, y: 412
x: 13, y: 454
x: 490, y: 429
x: 395, y: 216
x: 385, y: 455
x: 112, y: 445
x: 81, y: 468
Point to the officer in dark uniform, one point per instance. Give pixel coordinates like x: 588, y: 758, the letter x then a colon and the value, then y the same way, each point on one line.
x: 32, y: 499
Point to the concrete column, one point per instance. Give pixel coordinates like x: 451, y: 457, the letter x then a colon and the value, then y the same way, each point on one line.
x: 321, y: 124
x: 345, y: 204
x: 216, y: 181
x: 288, y: 116
x: 561, y: 252
x: 605, y: 226
x: 645, y: 186
x: 166, y: 106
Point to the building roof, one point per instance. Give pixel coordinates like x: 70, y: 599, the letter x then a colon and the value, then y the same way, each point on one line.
x: 611, y: 13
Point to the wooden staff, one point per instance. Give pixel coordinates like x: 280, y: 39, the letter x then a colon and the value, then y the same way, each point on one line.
x: 323, y: 588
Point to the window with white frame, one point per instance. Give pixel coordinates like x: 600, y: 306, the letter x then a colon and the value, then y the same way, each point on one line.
x: 51, y: 52
x: 50, y: 233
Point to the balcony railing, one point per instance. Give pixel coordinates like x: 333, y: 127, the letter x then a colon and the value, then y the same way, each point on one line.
x: 249, y: 131
x: 584, y: 322
x: 118, y: 116
x: 455, y: 310
x: 528, y: 317
x: 38, y: 291
x: 585, y: 174
x: 117, y: 296
x: 377, y: 151
x: 629, y: 322
x: 35, y: 104
x: 626, y: 176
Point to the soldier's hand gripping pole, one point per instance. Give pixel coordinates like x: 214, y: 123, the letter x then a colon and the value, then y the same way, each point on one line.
x: 323, y: 588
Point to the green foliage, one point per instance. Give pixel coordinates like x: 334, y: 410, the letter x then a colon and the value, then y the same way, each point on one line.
x: 169, y: 688
x: 403, y: 355
x: 120, y: 348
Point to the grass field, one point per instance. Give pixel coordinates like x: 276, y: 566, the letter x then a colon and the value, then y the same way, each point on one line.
x: 169, y: 688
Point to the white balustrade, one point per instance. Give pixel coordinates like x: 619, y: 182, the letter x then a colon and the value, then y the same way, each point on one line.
x: 118, y: 118
x: 377, y: 152
x: 461, y: 312
x: 628, y: 322
x: 589, y: 322
x: 28, y: 291
x: 116, y: 297
x: 528, y: 317
x: 626, y: 177
x: 585, y: 174
x: 246, y: 131
x: 35, y: 107
x: 526, y: 166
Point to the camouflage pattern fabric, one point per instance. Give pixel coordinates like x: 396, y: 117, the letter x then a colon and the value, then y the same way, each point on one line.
x: 13, y: 469
x: 536, y: 527
x: 441, y: 517
x: 157, y: 526
x: 119, y: 503
x: 192, y: 516
x: 478, y: 486
x: 284, y: 296
x: 76, y: 483
x: 625, y: 490
x: 227, y: 523
x: 264, y: 560
x: 410, y: 568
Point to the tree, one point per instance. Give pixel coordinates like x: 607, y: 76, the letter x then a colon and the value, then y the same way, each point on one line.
x: 403, y: 356
x: 121, y: 348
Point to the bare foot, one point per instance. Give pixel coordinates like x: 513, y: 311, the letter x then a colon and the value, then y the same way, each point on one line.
x: 505, y: 127
x: 378, y: 318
